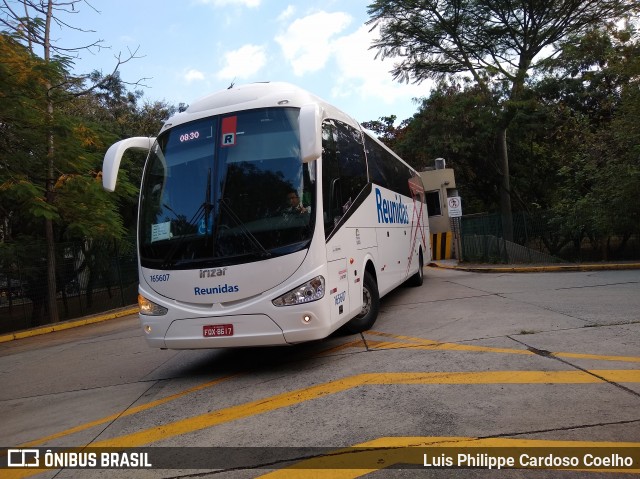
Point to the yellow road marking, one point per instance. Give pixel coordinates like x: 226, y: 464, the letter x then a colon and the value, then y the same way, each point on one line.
x: 336, y: 465
x: 67, y: 325
x: 127, y: 412
x: 287, y: 399
x: 263, y: 405
x: 415, y: 343
x: 628, y: 359
x: 430, y: 344
x: 420, y: 343
x: 159, y: 402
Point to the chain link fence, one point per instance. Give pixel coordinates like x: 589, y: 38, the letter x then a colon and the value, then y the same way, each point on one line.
x: 537, y: 238
x: 91, y: 277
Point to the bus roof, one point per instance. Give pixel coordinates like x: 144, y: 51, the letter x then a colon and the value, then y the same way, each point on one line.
x: 251, y: 96
x: 263, y: 95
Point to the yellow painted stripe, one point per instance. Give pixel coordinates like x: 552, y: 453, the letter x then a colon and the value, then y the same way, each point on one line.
x: 229, y: 414
x: 421, y: 343
x: 627, y: 359
x: 159, y: 402
x: 430, y: 344
x: 424, y: 344
x: 379, y: 345
x: 128, y: 412
x: 396, y: 450
x: 449, y: 237
x: 287, y: 399
x: 67, y: 325
x: 441, y: 245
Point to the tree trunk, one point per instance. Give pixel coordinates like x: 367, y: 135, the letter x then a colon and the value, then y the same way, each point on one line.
x: 52, y: 302
x: 505, y: 186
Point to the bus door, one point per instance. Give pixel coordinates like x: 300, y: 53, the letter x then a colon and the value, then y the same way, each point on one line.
x: 344, y: 176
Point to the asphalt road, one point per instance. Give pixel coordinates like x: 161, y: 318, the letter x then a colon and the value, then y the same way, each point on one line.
x: 469, y: 360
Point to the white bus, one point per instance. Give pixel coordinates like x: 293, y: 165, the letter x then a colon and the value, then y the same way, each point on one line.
x: 269, y: 217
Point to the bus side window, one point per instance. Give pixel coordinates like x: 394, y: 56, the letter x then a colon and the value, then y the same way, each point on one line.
x: 375, y: 156
x: 351, y: 163
x: 344, y: 170
x: 331, y: 196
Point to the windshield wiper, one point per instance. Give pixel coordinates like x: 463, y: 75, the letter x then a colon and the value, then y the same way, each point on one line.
x: 252, y: 239
x: 176, y: 246
x: 203, y: 209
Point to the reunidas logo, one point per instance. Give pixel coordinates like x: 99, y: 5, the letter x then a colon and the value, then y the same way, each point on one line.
x: 220, y: 289
x: 391, y: 211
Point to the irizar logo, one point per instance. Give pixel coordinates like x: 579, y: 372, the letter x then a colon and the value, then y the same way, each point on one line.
x: 391, y: 211
x: 211, y: 272
x: 220, y: 289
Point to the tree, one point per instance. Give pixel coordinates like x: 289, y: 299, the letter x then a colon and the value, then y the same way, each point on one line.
x: 597, y: 76
x: 32, y: 25
x: 500, y: 44
x: 455, y: 122
x: 384, y: 127
x: 117, y: 113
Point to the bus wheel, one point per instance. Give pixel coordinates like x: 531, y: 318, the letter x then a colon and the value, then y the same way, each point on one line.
x: 418, y: 278
x: 370, y: 307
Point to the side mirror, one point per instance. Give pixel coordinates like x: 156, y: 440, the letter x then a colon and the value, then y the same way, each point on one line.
x: 310, y: 132
x: 113, y: 156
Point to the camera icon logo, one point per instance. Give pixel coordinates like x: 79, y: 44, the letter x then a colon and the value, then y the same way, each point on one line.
x: 23, y: 458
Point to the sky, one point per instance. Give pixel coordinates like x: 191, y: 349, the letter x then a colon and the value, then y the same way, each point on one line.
x: 190, y: 48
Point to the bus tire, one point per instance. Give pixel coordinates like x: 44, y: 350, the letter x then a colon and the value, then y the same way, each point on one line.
x: 418, y: 278
x: 370, y: 307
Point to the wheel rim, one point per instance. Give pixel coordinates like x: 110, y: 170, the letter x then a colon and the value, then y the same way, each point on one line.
x: 366, y: 302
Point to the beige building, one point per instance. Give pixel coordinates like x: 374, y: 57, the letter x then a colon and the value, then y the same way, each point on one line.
x: 439, y: 184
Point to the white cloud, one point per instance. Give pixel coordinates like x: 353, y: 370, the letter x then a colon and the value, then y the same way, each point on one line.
x: 360, y: 73
x: 286, y: 13
x: 243, y: 62
x: 193, y: 75
x: 306, y: 43
x: 239, y: 3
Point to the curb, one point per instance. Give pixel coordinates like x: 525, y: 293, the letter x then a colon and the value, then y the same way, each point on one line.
x: 538, y: 269
x: 72, y: 323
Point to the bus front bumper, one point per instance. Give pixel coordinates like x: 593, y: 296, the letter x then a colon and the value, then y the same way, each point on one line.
x: 212, y: 332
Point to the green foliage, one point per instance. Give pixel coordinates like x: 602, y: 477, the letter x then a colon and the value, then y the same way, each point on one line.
x: 456, y: 123
x: 385, y: 129
x: 27, y: 198
x: 83, y: 127
x: 598, y: 75
x: 574, y: 142
x: 502, y: 46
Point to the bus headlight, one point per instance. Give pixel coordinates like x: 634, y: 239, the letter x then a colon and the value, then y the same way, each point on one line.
x: 149, y: 308
x: 312, y: 290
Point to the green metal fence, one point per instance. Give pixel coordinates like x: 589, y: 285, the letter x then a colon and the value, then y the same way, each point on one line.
x: 91, y: 277
x: 537, y: 239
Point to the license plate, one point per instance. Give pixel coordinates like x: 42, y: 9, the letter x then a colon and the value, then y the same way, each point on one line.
x: 215, y: 330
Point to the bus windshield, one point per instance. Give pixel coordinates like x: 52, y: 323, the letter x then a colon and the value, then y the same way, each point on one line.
x: 226, y: 190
